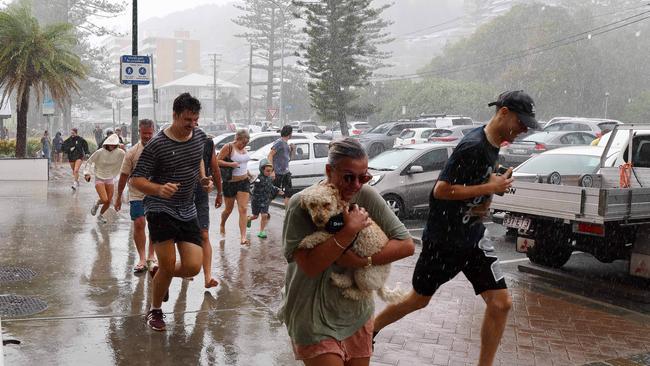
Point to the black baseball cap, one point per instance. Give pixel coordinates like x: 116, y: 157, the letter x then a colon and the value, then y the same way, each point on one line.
x: 520, y: 103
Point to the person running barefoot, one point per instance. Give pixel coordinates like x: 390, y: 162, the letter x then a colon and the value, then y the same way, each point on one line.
x: 107, y: 162
x: 76, y: 148
x: 202, y: 202
x: 146, y: 128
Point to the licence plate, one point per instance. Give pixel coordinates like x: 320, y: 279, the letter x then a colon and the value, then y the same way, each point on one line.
x: 519, y: 151
x: 516, y: 222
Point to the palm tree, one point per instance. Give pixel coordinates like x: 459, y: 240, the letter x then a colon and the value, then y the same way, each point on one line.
x: 35, y: 58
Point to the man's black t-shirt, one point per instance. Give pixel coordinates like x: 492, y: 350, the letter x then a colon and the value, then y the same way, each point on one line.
x: 452, y: 222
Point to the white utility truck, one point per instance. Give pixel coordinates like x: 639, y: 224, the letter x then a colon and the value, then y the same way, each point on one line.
x: 606, y: 214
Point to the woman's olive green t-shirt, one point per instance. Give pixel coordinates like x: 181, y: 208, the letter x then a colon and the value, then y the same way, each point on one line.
x: 312, y: 308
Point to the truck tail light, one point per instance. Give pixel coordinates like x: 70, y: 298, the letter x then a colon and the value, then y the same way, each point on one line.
x: 594, y: 229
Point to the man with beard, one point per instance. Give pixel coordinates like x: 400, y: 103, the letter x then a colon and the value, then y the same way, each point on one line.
x: 146, y: 128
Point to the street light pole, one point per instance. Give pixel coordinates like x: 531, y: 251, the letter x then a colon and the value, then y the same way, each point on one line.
x: 606, y: 100
x: 134, y: 88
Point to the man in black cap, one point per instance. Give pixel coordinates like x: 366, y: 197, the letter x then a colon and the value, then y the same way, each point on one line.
x: 459, y: 201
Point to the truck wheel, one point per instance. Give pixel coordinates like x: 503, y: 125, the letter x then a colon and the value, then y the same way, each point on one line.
x: 553, y: 245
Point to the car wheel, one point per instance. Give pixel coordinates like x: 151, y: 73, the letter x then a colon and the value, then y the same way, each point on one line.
x: 396, y: 205
x: 375, y: 149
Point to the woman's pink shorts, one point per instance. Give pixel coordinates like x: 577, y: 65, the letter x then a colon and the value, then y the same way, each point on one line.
x: 358, y: 345
x: 104, y: 181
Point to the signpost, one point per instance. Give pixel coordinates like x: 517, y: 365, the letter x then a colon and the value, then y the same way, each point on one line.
x: 135, y: 70
x: 48, y: 111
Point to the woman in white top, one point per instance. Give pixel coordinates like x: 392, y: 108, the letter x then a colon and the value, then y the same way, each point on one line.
x: 235, y: 156
x: 106, y: 162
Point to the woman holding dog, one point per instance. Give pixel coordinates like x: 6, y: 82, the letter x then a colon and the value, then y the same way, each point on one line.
x: 325, y: 327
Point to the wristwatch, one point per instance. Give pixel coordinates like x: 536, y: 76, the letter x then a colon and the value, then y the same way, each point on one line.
x: 369, y: 264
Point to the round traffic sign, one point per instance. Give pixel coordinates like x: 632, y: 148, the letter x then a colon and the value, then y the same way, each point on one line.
x: 142, y: 71
x: 129, y: 70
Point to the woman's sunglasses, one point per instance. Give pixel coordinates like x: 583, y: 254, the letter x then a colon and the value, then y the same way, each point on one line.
x: 350, y: 178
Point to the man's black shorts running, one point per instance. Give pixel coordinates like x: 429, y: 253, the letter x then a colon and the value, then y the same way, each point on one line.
x: 163, y: 227
x: 439, y: 263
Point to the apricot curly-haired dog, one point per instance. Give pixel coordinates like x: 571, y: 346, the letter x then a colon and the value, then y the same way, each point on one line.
x: 322, y: 202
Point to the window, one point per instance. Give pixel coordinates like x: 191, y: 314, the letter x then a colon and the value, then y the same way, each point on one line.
x: 301, y: 152
x: 396, y: 130
x: 571, y: 139
x: 321, y: 150
x: 406, y: 134
x: 462, y: 122
x: 262, y: 141
x: 426, y: 134
x: 223, y: 142
x: 432, y: 160
x: 607, y: 126
x: 641, y: 155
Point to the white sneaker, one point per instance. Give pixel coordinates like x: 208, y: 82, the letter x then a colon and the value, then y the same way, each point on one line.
x: 74, y: 188
x: 93, y: 210
x: 101, y: 219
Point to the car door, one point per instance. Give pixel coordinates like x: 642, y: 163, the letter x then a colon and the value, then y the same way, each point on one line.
x: 417, y: 186
x: 321, y: 152
x: 301, y: 164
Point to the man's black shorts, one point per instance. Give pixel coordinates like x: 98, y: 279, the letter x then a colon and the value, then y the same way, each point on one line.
x: 164, y: 227
x: 438, y: 263
x: 283, y: 181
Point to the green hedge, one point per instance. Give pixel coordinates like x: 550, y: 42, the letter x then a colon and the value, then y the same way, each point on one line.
x: 8, y: 147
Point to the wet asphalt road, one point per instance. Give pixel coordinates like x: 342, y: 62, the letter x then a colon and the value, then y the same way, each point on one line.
x: 96, y: 305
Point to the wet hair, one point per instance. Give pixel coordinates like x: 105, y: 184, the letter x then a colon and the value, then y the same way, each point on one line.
x: 57, y: 134
x: 146, y: 123
x: 242, y: 134
x: 345, y: 148
x: 186, y: 102
x: 75, y: 130
x: 286, y: 131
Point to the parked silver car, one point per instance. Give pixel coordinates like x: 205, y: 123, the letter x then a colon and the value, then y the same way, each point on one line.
x: 450, y: 135
x: 383, y: 137
x: 404, y: 176
x: 596, y: 126
x: 520, y: 150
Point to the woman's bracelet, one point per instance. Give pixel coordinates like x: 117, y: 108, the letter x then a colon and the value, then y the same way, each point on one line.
x: 337, y: 243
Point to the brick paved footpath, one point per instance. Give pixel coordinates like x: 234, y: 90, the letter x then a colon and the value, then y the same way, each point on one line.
x: 545, y: 327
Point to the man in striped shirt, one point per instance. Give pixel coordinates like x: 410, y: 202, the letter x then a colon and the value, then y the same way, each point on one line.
x: 169, y: 168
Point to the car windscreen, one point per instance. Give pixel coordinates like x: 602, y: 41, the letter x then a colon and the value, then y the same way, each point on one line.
x: 362, y: 126
x: 539, y: 137
x: 565, y: 164
x: 406, y: 134
x: 392, y: 159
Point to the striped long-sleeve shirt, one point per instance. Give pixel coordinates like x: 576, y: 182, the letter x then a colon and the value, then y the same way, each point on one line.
x: 164, y: 160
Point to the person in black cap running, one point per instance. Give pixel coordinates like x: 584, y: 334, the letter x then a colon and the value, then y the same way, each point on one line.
x: 460, y: 199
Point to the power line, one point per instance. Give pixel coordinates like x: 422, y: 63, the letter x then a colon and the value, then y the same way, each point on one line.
x: 530, y: 51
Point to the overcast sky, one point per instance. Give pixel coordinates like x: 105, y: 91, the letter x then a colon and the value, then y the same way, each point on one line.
x: 157, y: 8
